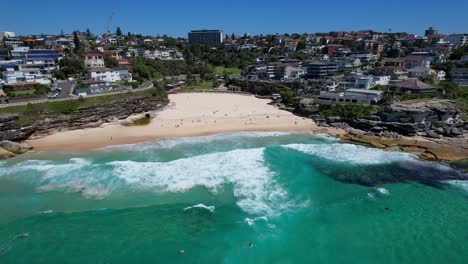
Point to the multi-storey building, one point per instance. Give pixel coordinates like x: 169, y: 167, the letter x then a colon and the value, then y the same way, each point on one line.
x: 94, y: 60
x: 460, y: 76
x: 458, y: 39
x: 206, y: 37
x: 317, y: 69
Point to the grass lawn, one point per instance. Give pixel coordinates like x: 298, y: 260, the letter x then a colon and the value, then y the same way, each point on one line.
x: 21, y: 93
x: 229, y: 71
x: 205, y: 85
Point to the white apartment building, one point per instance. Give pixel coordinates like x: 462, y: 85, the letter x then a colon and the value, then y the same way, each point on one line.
x: 30, y: 75
x: 7, y: 34
x: 357, y: 96
x: 103, y: 74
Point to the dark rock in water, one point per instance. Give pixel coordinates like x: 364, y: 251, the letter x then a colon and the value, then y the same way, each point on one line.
x: 427, y: 173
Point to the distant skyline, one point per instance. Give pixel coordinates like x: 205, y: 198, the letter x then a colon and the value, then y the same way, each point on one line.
x: 177, y: 18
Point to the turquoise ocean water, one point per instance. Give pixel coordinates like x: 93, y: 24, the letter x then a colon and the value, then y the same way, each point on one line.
x: 298, y: 198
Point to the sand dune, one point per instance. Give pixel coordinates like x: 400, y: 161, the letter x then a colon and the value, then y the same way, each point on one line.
x: 193, y: 114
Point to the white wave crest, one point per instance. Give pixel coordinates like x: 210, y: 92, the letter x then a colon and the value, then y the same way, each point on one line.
x: 382, y: 191
x: 463, y: 185
x: 244, y: 169
x: 171, y: 143
x: 350, y: 153
x: 49, y: 169
x: 210, y: 208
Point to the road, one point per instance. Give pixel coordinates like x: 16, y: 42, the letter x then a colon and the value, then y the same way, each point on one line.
x: 67, y: 89
x: 65, y: 96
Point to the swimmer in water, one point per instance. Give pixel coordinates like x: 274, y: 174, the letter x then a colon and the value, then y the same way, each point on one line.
x: 181, y: 251
x: 250, y: 245
x: 23, y: 235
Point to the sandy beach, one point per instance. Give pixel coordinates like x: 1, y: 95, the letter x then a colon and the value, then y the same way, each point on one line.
x: 189, y: 114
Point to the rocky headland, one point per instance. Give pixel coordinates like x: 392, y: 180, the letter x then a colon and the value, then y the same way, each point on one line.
x: 433, y: 130
x: 19, y: 127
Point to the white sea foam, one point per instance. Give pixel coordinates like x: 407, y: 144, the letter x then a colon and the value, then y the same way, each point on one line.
x: 171, y: 143
x: 351, y: 153
x: 459, y: 184
x: 210, y: 208
x: 251, y: 221
x: 49, y: 169
x: 253, y: 183
x: 382, y: 191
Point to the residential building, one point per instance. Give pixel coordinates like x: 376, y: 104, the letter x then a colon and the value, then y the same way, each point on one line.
x: 206, y: 37
x: 440, y: 75
x: 411, y: 86
x: 103, y: 74
x: 94, y: 60
x: 13, y: 42
x: 357, y: 96
x: 317, y: 69
x: 460, y: 76
x: 21, y: 76
x: 19, y: 53
x: 123, y: 73
x: 417, y: 61
x: 458, y: 39
x: 289, y: 71
x: 346, y: 62
x: 42, y: 54
x: 4, y: 54
x: 431, y: 32
x: 94, y: 87
x: 420, y: 72
x: 381, y: 80
x: 397, y: 63
x: 6, y: 34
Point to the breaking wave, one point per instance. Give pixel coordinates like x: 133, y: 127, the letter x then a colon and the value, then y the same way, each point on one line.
x: 253, y: 183
x: 349, y: 153
x: 210, y: 208
x: 171, y: 143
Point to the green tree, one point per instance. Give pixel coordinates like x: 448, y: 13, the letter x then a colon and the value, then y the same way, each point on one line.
x: 301, y: 45
x: 76, y: 41
x: 118, y: 31
x: 393, y: 53
x: 110, y: 62
x: 88, y: 33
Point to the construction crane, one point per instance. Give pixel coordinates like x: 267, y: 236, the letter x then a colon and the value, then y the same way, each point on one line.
x: 104, y: 39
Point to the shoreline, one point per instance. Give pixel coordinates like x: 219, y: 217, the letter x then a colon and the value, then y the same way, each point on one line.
x: 187, y: 115
x: 201, y: 114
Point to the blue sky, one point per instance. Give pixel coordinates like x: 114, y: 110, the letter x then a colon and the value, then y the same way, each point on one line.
x: 176, y: 18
